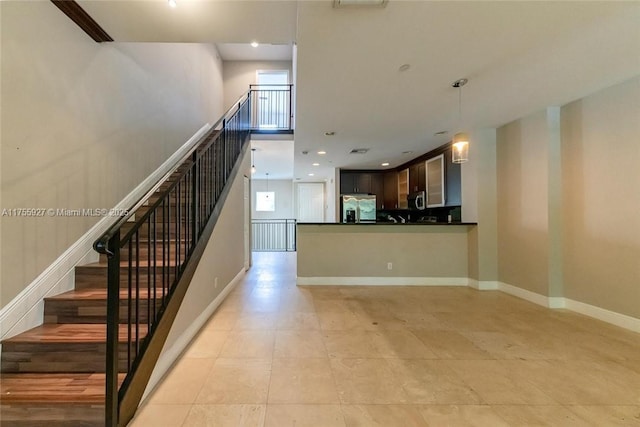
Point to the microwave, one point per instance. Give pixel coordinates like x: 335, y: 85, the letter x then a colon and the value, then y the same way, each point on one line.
x: 417, y: 201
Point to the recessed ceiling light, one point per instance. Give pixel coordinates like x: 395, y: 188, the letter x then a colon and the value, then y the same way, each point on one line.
x: 385, y: 164
x: 311, y: 174
x: 329, y: 133
x: 442, y: 132
x: 404, y: 67
x: 407, y: 152
x: 322, y: 153
x: 316, y: 164
x: 173, y: 4
x: 255, y: 44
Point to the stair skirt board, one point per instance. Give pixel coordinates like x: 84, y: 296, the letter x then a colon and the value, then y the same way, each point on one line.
x: 25, y: 311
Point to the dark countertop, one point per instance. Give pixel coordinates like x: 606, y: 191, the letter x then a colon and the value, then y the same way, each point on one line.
x: 387, y: 223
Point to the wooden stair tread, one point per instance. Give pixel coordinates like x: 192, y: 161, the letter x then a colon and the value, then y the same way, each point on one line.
x: 70, y: 333
x: 142, y: 264
x: 101, y: 294
x: 48, y: 388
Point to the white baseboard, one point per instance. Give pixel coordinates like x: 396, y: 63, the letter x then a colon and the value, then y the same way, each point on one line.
x: 483, y: 285
x: 524, y: 294
x: 383, y: 281
x: 170, y: 355
x: 605, y: 315
x: 26, y: 310
x: 593, y: 311
x: 556, y: 302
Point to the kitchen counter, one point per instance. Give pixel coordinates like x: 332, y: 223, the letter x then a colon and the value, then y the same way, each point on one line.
x: 387, y: 223
x: 385, y: 253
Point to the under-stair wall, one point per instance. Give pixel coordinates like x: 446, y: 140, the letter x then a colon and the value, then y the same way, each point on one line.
x: 221, y: 263
x: 84, y: 123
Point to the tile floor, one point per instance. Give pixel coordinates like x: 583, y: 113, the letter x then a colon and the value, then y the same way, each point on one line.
x: 279, y: 355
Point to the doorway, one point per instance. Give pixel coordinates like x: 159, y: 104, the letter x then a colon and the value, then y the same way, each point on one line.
x: 272, y: 109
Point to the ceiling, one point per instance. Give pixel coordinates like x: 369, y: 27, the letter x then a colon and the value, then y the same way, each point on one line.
x: 519, y: 57
x: 262, y: 52
x: 273, y: 157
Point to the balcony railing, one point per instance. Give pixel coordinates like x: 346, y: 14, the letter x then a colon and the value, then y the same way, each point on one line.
x: 273, y: 235
x: 271, y: 108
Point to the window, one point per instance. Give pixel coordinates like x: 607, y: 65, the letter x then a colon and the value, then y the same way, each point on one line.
x: 265, y: 201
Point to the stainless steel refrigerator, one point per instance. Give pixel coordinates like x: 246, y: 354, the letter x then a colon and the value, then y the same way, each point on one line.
x: 358, y: 208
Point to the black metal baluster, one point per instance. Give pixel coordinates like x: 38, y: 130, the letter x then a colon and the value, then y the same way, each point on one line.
x: 129, y: 302
x: 165, y: 256
x: 178, y: 234
x: 149, y: 258
x: 155, y: 262
x: 195, y: 191
x: 113, y: 331
x: 137, y: 237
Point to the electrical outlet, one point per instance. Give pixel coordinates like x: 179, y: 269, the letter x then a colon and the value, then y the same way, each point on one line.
x: 389, y: 266
x: 215, y: 283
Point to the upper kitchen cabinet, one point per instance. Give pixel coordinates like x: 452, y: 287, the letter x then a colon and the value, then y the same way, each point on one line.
x: 403, y: 188
x: 435, y: 181
x: 355, y: 182
x: 390, y: 198
x: 377, y: 188
x: 453, y: 181
x: 417, y: 177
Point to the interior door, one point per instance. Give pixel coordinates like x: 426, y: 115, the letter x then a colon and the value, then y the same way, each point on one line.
x: 310, y: 202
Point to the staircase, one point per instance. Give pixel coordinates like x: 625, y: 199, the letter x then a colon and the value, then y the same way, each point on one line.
x: 54, y: 374
x: 89, y: 362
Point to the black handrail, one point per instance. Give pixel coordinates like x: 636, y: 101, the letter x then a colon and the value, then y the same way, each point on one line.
x: 149, y: 248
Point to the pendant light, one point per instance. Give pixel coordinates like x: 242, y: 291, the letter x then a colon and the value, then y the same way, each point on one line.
x: 267, y: 196
x: 253, y: 164
x: 460, y: 142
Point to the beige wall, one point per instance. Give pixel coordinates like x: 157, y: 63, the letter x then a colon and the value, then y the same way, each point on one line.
x: 479, y: 195
x: 568, y: 205
x: 364, y: 251
x: 83, y: 123
x: 223, y: 259
x: 238, y: 75
x: 283, y: 189
x: 522, y: 203
x: 601, y: 193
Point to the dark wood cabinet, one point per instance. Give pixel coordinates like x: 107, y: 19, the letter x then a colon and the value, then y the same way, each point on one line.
x: 417, y: 177
x: 391, y: 187
x: 369, y: 182
x: 377, y: 188
x: 452, y: 181
x: 352, y: 182
x: 390, y: 196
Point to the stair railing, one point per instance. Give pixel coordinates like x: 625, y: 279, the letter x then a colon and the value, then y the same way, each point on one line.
x: 169, y: 226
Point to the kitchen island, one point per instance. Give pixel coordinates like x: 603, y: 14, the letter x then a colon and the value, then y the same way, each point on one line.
x: 436, y: 254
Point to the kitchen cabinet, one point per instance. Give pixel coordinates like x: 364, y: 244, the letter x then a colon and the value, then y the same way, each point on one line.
x: 377, y: 188
x: 403, y: 188
x: 390, y: 193
x: 417, y: 177
x: 435, y: 181
x: 453, y: 181
x: 352, y: 182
